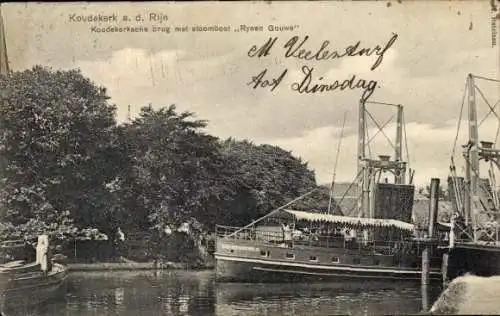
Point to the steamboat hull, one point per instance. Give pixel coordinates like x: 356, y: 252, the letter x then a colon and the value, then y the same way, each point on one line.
x: 233, y: 269
x: 480, y: 260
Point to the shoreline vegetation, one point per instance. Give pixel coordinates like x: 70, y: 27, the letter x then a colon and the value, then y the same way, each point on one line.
x: 150, y: 189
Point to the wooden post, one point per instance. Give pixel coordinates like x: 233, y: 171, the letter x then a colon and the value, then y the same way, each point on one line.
x: 425, y: 278
x: 444, y: 269
x: 433, y: 210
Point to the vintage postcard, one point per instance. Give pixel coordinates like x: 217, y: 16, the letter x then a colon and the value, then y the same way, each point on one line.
x: 249, y: 158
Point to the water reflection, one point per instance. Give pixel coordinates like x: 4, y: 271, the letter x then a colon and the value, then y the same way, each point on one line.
x: 318, y: 299
x: 196, y: 293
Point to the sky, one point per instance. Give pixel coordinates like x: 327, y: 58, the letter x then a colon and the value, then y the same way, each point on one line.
x: 438, y: 44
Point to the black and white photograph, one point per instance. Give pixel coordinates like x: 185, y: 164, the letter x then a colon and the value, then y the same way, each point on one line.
x: 249, y: 158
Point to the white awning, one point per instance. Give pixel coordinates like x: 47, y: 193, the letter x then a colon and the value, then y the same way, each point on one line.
x: 348, y: 220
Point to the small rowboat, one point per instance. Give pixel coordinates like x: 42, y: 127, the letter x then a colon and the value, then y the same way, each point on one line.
x: 25, y: 284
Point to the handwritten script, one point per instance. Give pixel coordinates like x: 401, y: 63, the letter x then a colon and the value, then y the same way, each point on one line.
x: 297, y: 48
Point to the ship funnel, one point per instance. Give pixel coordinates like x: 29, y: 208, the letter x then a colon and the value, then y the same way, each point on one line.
x: 384, y: 159
x: 433, y: 206
x: 486, y: 145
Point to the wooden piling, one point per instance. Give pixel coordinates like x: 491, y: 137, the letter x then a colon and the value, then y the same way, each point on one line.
x: 425, y: 278
x: 426, y: 252
x: 444, y: 269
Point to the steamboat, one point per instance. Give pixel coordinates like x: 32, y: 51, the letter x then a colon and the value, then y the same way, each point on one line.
x: 377, y: 242
x: 474, y: 226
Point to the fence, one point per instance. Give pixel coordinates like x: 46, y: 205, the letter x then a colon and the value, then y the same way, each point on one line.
x: 140, y: 247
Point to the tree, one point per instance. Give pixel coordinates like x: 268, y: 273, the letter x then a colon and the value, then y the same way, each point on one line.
x: 56, y: 130
x: 174, y: 170
x: 68, y: 168
x: 266, y: 178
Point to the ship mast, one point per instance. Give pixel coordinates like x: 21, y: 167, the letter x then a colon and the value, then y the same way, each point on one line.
x: 4, y: 61
x: 473, y: 158
x: 363, y: 202
x: 370, y: 170
x: 400, y: 173
x: 4, y: 70
x: 480, y: 198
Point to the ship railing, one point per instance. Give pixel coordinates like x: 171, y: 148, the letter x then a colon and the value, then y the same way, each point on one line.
x: 232, y: 232
x: 253, y: 234
x: 248, y: 233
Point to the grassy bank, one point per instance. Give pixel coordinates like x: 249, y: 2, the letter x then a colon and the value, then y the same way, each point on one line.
x: 470, y: 295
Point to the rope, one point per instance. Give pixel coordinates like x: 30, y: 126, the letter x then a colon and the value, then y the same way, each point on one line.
x: 493, y: 184
x: 272, y: 212
x: 335, y: 164
x: 383, y: 126
x: 458, y: 191
x: 459, y: 120
x: 487, y: 115
x: 367, y: 135
x: 496, y: 136
x: 484, y: 189
x: 487, y: 79
x: 383, y: 133
x: 492, y: 110
x: 382, y: 103
x: 348, y: 188
x: 406, y: 141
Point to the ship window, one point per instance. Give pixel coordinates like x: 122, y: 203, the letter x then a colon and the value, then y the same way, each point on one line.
x: 376, y: 262
x: 356, y: 261
x: 232, y: 250
x: 264, y: 253
x: 335, y: 260
x: 313, y: 258
x: 290, y: 255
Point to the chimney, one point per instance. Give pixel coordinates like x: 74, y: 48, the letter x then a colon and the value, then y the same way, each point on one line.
x: 384, y: 159
x: 486, y: 145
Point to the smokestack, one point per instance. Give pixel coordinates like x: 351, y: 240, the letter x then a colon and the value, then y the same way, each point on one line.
x: 433, y: 205
x: 486, y: 145
x: 384, y: 158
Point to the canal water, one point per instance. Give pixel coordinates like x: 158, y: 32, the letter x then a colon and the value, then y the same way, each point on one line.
x: 196, y: 293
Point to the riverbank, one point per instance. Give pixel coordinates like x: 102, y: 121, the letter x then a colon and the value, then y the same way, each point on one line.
x: 129, y: 266
x: 470, y: 295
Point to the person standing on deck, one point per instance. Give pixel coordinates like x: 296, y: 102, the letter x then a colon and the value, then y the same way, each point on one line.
x: 453, y: 228
x: 314, y: 235
x: 287, y: 235
x: 42, y: 253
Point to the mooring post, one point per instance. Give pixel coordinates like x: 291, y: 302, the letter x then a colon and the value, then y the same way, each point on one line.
x: 426, y: 253
x: 444, y: 269
x: 425, y: 278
